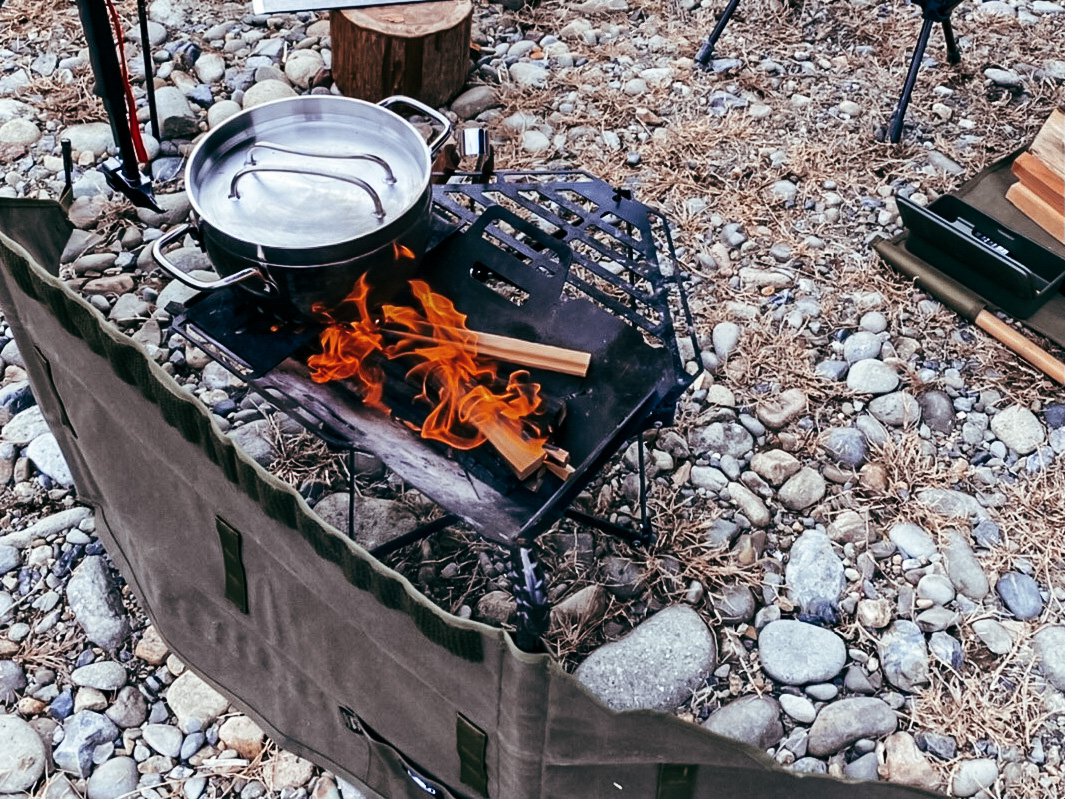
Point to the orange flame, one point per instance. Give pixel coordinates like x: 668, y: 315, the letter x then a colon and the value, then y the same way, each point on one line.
x: 468, y: 409
x: 347, y: 347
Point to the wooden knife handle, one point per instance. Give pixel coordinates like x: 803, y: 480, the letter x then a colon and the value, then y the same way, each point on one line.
x: 1026, y: 348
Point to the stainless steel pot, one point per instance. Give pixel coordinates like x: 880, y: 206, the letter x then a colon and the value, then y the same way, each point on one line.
x: 296, y: 199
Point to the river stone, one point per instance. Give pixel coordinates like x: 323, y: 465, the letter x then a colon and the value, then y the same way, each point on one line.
x: 1019, y: 429
x: 973, y: 776
x: 47, y: 527
x: 302, y: 65
x: 936, y: 588
x: 871, y: 376
x: 841, y: 723
x: 814, y: 573
x: 257, y: 440
x: 25, y: 426
x: 798, y: 707
x: 194, y: 702
x: 1020, y: 593
x: 103, y: 675
x: 797, y: 653
x: 377, y: 521
x: 846, y: 446
x: 113, y: 779
x: 82, y: 733
x: 963, y: 568
x: 749, y: 504
x: 265, y: 91
x: 722, y: 438
x: 176, y: 207
x: 129, y: 708
x: 734, y: 603
x: 474, y: 101
x: 176, y: 119
x: 529, y: 76
x: 94, y: 599
x: 904, y: 763
x: 91, y: 137
x: 860, y: 346
x: 775, y: 465
x: 1049, y: 646
x: 12, y: 681
x: 656, y: 666
x: 45, y: 454
x: 776, y: 412
x: 163, y: 738
x: 754, y: 720
x: 22, y: 755
x: 904, y: 656
x: 242, y: 735
x: 950, y: 503
x: 914, y: 541
x: 725, y: 338
x: 898, y: 409
x: 937, y: 411
x: 19, y: 132
x: 803, y: 489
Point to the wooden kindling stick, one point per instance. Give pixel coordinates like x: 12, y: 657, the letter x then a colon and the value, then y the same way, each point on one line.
x: 512, y: 350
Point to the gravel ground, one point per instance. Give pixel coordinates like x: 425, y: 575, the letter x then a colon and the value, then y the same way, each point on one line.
x: 860, y: 561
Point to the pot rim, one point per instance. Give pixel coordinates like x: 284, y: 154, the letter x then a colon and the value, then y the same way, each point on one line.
x: 231, y: 127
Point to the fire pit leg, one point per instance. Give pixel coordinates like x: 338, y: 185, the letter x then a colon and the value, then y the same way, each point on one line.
x: 530, y: 593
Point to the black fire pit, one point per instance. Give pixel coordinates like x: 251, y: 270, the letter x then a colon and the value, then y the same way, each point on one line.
x: 553, y: 258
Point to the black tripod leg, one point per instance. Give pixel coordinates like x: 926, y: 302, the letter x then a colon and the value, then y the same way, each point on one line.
x: 895, y: 127
x: 706, y: 52
x: 953, y: 56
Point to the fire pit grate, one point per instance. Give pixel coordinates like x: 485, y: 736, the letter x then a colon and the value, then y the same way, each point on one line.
x: 556, y: 258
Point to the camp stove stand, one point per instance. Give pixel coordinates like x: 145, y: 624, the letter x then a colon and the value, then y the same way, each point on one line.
x: 593, y: 269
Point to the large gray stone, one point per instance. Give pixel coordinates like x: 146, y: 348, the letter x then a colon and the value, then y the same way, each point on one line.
x: 1049, y: 646
x: 103, y: 675
x: 82, y: 733
x: 814, y: 573
x: 904, y: 656
x: 754, y: 720
x: 22, y: 756
x: 841, y: 723
x: 804, y: 488
x: 257, y: 440
x: 114, y: 779
x: 656, y: 666
x: 97, y: 607
x: 914, y: 541
x: 722, y: 438
x: 473, y: 101
x: 45, y: 454
x: 377, y: 521
x: 194, y: 702
x: 1019, y: 429
x: 25, y: 427
x: 871, y: 376
x: 176, y: 118
x: 963, y: 568
x: 47, y: 527
x: 797, y: 653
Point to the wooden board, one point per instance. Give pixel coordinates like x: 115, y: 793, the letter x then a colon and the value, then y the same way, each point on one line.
x: 420, y: 50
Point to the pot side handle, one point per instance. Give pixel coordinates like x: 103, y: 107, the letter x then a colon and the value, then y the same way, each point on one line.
x: 201, y: 285
x: 432, y: 113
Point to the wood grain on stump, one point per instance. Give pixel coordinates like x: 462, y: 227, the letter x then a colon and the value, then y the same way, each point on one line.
x: 421, y: 50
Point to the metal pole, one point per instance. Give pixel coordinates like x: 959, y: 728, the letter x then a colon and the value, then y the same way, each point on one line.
x: 895, y: 129
x: 706, y: 52
x: 149, y: 81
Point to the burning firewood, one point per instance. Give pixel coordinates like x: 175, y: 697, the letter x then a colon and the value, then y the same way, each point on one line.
x: 513, y: 350
x: 471, y: 403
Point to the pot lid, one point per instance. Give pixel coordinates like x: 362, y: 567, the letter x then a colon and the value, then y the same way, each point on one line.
x: 308, y: 172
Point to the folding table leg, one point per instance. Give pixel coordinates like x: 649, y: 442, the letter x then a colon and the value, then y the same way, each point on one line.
x: 953, y: 55
x: 899, y: 117
x: 706, y: 52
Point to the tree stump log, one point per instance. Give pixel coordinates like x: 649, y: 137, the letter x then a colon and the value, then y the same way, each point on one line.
x: 421, y: 50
